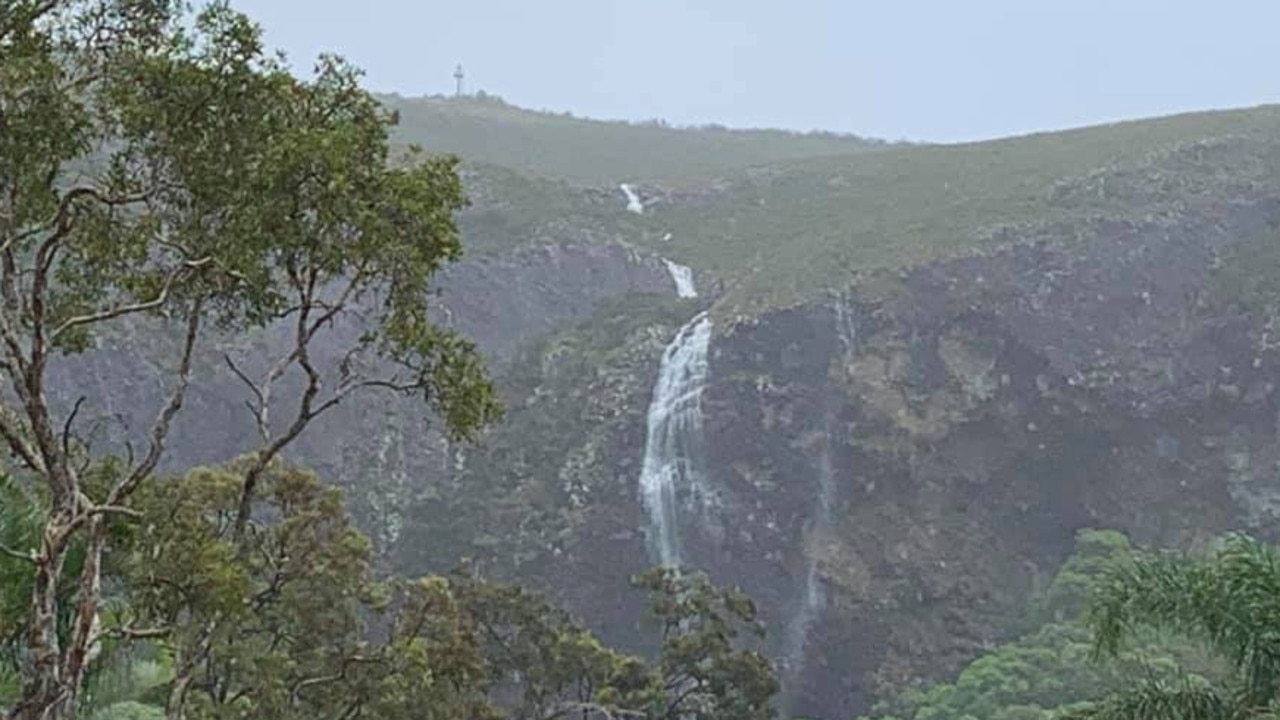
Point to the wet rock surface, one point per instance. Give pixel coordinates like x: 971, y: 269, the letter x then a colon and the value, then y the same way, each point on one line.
x: 968, y: 416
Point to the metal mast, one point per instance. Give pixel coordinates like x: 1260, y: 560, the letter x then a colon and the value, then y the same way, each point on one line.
x: 458, y: 75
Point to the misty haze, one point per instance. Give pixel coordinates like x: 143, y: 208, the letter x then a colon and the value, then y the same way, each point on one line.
x: 592, y: 360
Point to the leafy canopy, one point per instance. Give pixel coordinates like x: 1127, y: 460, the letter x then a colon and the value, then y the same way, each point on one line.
x: 162, y: 164
x: 1230, y: 601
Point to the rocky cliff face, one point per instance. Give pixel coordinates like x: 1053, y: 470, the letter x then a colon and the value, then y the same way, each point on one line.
x: 898, y: 466
x: 967, y: 418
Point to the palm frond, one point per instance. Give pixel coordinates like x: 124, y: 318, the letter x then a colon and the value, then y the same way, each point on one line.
x: 1182, y: 700
x: 1231, y: 600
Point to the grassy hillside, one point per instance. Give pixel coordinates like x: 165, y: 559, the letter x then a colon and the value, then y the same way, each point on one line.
x: 781, y: 233
x: 778, y: 232
x: 593, y: 152
x: 510, y: 209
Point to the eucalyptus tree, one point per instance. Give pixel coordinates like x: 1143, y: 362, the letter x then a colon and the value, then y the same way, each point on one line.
x: 159, y: 163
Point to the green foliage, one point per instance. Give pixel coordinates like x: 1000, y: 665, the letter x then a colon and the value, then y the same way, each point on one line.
x: 129, y: 710
x: 542, y: 661
x: 9, y: 683
x: 1189, y: 699
x: 1038, y: 676
x: 21, y: 517
x: 706, y: 674
x: 23, y: 512
x: 129, y: 674
x: 291, y: 622
x: 275, y: 622
x: 1096, y: 551
x: 1052, y: 671
x: 158, y: 162
x: 1230, y: 601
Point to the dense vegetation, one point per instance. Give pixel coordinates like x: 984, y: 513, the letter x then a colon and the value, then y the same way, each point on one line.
x: 1131, y: 636
x: 1053, y: 669
x: 157, y: 164
x: 292, y: 622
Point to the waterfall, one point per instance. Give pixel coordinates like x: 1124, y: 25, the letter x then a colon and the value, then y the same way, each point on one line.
x: 813, y: 598
x: 672, y: 452
x: 846, y: 328
x: 633, y: 201
x: 683, y: 278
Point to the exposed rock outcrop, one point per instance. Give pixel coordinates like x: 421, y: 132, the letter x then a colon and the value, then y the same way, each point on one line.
x: 968, y: 417
x: 901, y: 463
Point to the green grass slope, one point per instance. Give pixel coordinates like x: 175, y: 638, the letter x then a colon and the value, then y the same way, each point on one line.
x: 779, y: 234
x: 594, y: 152
x: 781, y: 217
x: 511, y: 209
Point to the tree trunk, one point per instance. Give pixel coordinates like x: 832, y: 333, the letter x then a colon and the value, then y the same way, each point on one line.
x: 44, y: 695
x: 52, y: 675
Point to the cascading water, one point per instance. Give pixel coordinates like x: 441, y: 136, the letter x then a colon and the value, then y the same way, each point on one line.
x: 846, y: 328
x: 682, y: 276
x: 813, y: 599
x: 673, y: 446
x: 633, y: 200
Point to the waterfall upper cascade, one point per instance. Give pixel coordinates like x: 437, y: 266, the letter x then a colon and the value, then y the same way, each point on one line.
x: 673, y: 446
x: 682, y: 276
x: 633, y: 200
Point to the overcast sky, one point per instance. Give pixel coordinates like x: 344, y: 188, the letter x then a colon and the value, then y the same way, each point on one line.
x: 939, y: 70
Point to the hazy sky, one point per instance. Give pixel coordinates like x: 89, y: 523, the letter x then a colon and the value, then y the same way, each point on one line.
x: 917, y: 69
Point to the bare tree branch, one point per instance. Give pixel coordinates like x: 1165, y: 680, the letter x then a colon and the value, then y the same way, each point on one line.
x: 303, y: 684
x: 58, y: 224
x: 348, y: 389
x: 28, y: 556
x: 129, y: 633
x: 259, y: 411
x: 160, y: 428
x: 306, y: 330
x: 160, y: 299
x: 86, y: 620
x: 66, y: 426
x: 113, y: 510
x: 13, y: 306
